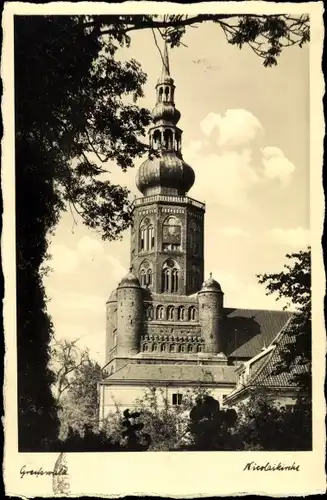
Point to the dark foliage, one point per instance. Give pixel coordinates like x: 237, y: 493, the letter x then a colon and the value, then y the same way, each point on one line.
x: 266, y: 35
x: 210, y: 427
x: 263, y: 426
x: 294, y: 285
x: 88, y: 441
x: 66, y: 106
x: 136, y: 439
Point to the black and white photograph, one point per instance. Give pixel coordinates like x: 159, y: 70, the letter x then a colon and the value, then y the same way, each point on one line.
x: 163, y: 215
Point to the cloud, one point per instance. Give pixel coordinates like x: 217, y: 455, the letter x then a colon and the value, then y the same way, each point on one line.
x: 276, y: 165
x: 64, y: 260
x: 245, y: 294
x: 228, y: 178
x: 119, y: 270
x: 234, y: 231
x: 237, y: 127
x: 89, y: 248
x: 294, y: 237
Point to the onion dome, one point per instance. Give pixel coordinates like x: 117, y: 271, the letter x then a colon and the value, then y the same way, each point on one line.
x: 165, y: 112
x: 113, y: 296
x: 130, y: 280
x: 166, y: 171
x: 211, y: 285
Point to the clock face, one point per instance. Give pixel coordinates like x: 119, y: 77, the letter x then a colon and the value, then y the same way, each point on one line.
x: 172, y: 229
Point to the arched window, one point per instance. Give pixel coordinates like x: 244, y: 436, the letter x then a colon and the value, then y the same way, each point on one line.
x: 160, y: 312
x: 145, y: 347
x: 160, y: 94
x: 163, y: 348
x: 146, y: 235
x: 182, y: 348
x: 155, y: 348
x: 174, y: 284
x: 170, y: 276
x: 142, y: 277
x: 190, y: 348
x: 192, y: 313
x: 151, y: 237
x: 181, y: 313
x: 166, y: 280
x: 199, y: 348
x: 156, y: 139
x: 168, y: 139
x: 149, y: 312
x: 170, y: 313
x: 177, y: 141
x: 172, y: 348
x: 166, y: 93
x: 171, y: 234
x: 145, y: 273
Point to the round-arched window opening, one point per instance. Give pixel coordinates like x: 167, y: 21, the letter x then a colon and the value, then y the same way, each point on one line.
x: 170, y: 276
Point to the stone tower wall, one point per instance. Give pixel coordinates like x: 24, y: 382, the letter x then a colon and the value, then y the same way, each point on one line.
x: 111, y: 327
x: 211, y: 319
x: 130, y: 317
x: 186, y: 258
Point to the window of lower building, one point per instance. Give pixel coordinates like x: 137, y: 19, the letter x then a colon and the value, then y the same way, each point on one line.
x: 177, y: 399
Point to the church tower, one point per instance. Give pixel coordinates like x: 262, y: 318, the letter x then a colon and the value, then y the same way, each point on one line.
x: 167, y: 234
x: 163, y: 309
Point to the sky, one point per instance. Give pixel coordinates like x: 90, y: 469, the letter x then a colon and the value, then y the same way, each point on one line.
x: 246, y: 135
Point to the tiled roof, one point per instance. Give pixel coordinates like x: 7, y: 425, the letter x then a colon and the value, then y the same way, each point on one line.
x: 169, y: 372
x: 267, y: 374
x: 247, y: 331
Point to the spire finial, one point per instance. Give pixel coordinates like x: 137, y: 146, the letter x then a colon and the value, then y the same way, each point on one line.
x: 165, y: 73
x: 130, y: 268
x: 210, y: 275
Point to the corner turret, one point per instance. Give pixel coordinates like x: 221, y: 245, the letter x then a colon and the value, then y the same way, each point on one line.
x: 211, y: 309
x: 129, y: 315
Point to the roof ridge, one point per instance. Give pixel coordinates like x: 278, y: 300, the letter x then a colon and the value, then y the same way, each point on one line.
x: 120, y: 369
x: 275, y: 344
x: 259, y: 309
x: 256, y: 374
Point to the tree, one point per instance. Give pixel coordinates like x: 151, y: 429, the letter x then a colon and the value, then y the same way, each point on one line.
x: 67, y: 359
x: 263, y: 425
x: 294, y: 285
x: 266, y: 35
x: 75, y: 387
x: 75, y: 109
x: 70, y: 99
x: 210, y: 427
x: 167, y: 425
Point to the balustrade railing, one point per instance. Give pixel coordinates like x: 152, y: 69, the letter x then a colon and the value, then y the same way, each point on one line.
x: 168, y: 199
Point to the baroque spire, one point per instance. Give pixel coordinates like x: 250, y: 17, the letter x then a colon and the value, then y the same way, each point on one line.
x: 167, y: 173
